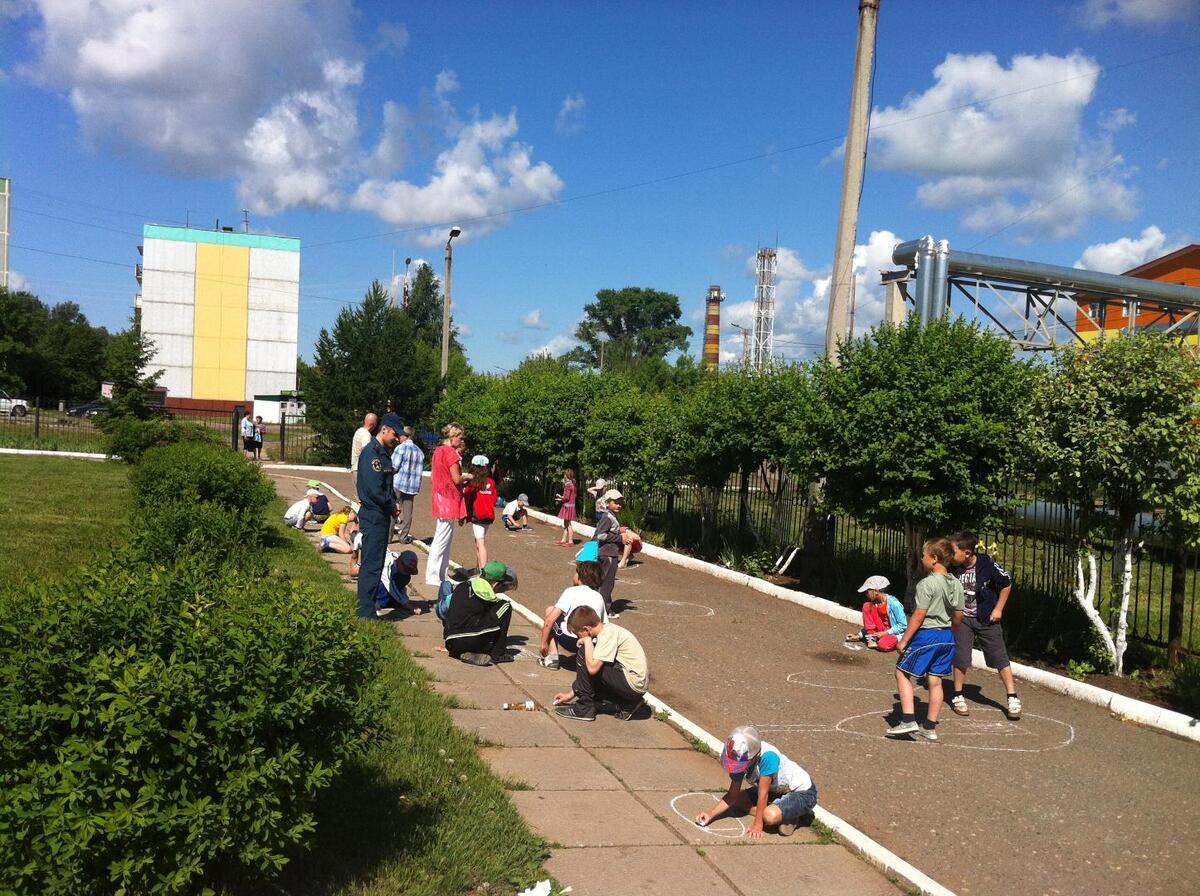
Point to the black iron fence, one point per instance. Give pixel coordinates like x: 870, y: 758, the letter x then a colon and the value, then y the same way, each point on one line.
x: 296, y: 440
x: 757, y: 520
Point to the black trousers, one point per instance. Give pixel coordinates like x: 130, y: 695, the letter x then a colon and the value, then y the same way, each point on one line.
x: 608, y: 565
x: 491, y: 643
x: 607, y: 684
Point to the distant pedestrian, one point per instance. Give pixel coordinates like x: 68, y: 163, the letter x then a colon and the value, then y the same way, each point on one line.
x: 883, y: 616
x: 927, y: 646
x: 986, y: 587
x: 376, y: 510
x: 247, y: 428
x: 610, y: 666
x: 480, y: 496
x: 408, y: 460
x: 449, y: 508
x: 258, y: 437
x: 362, y: 438
x: 566, y: 510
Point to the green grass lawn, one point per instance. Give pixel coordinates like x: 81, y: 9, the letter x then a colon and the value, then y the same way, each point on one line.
x: 419, y: 813
x: 66, y: 511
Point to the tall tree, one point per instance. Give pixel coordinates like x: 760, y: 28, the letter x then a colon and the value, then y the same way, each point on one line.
x: 424, y: 308
x: 127, y: 362
x: 629, y: 326
x: 1117, y: 422
x: 52, y: 352
x: 918, y: 427
x: 372, y: 360
x: 22, y: 321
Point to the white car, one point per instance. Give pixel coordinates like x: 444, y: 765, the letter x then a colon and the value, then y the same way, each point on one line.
x: 14, y: 407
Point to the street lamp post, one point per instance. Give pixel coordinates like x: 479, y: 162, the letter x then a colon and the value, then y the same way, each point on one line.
x: 454, y: 231
x: 407, y: 262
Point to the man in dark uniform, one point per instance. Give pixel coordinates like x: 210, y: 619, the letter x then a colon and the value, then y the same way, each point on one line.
x: 374, y: 483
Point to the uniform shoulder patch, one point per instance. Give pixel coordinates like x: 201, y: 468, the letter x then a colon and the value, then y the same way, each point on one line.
x: 376, y: 466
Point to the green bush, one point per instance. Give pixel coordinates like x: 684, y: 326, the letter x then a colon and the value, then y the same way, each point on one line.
x: 166, y: 728
x: 129, y: 438
x: 204, y: 532
x: 1184, y: 685
x: 192, y: 472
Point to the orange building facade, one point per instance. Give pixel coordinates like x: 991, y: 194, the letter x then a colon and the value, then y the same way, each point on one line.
x: 1181, y: 267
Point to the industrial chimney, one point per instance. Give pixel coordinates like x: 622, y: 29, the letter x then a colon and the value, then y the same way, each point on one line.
x: 712, y: 327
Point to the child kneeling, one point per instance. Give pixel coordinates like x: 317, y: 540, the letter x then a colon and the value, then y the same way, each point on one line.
x: 613, y: 669
x: 779, y: 792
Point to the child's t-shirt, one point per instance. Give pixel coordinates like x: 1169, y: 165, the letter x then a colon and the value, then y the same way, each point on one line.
x: 616, y: 644
x: 511, y: 508
x: 572, y: 599
x: 330, y: 526
x: 939, y: 595
x: 481, y: 499
x: 297, y: 510
x: 320, y: 507
x: 786, y: 775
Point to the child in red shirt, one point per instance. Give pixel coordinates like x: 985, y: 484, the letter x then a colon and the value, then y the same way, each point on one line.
x: 480, y: 496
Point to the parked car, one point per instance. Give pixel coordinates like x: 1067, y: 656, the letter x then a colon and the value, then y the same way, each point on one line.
x: 88, y: 409
x: 14, y: 407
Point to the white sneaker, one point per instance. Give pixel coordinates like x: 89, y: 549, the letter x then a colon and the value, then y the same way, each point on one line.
x: 550, y: 661
x: 928, y: 733
x: 1014, y: 708
x: 901, y: 729
x: 958, y: 703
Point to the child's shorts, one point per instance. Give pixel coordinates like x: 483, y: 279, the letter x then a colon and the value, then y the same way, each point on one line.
x: 797, y: 803
x: 930, y: 652
x: 325, y: 542
x: 480, y: 529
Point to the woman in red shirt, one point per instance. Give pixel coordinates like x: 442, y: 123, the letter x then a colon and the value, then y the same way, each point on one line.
x: 480, y: 495
x: 566, y: 512
x: 449, y: 508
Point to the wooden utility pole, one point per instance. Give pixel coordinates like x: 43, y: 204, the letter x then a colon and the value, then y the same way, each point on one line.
x: 840, y: 289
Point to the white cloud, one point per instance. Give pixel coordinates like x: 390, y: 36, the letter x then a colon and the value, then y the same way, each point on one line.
x: 507, y: 337
x: 392, y: 36
x: 268, y: 93
x: 1098, y: 13
x: 1127, y: 253
x: 1025, y: 155
x: 18, y: 282
x: 533, y: 320
x: 570, y: 115
x: 558, y: 345
x: 464, y: 330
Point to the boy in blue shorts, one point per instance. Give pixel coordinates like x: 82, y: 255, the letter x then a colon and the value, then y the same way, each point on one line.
x: 927, y: 646
x: 778, y: 792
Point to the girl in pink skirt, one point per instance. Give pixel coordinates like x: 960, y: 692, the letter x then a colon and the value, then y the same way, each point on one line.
x: 566, y: 512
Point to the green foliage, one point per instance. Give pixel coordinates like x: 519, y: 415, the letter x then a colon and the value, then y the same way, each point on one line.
x: 129, y: 438
x: 374, y: 359
x: 166, y: 728
x: 634, y: 324
x: 127, y: 358
x: 1184, y: 685
x: 626, y: 438
x: 48, y: 351
x: 191, y: 472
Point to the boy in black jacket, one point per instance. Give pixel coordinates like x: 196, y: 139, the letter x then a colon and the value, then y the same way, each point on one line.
x: 987, y: 587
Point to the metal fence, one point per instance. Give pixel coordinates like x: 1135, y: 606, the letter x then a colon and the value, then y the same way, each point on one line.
x: 758, y: 519
x: 296, y: 440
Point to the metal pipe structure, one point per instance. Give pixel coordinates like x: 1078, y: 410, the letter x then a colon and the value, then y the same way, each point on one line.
x: 712, y: 327
x: 939, y: 296
x: 923, y: 259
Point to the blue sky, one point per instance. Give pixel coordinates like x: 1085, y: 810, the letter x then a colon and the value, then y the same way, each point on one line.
x: 583, y: 146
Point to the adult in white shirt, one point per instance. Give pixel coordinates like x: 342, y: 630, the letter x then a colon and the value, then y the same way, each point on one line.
x: 556, y: 636
x: 362, y: 438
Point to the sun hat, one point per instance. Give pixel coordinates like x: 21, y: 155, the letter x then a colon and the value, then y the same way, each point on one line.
x: 408, y: 561
x: 612, y: 495
x: 480, y: 460
x: 741, y: 748
x: 314, y: 483
x: 878, y: 583
x: 494, y: 571
x: 598, y: 486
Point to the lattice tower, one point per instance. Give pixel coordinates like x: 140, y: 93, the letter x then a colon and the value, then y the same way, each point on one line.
x: 763, y: 343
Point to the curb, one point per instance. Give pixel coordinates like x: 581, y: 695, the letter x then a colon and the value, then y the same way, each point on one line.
x: 1126, y: 708
x: 874, y: 853
x: 32, y: 452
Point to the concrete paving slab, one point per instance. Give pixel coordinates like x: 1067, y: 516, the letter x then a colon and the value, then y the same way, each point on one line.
x: 550, y: 768
x: 643, y: 871
x: 828, y: 869
x: 608, y: 731
x: 679, y: 808
x: 481, y: 696
x: 443, y: 668
x: 511, y: 729
x: 591, y: 818
x: 657, y: 769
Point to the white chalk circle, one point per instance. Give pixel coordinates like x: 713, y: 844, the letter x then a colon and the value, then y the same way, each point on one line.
x: 729, y: 828
x: 801, y: 678
x: 1026, y: 736
x: 679, y: 608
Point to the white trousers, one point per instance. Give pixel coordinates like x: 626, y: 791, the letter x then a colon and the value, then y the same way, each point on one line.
x: 438, y: 563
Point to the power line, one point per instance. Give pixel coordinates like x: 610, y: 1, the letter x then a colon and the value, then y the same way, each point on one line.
x: 29, y: 211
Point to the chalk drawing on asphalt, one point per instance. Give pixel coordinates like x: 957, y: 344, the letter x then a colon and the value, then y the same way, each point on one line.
x: 695, y: 802
x: 678, y: 608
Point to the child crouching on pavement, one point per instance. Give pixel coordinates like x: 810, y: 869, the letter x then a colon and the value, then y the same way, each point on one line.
x: 778, y: 791
x: 613, y: 669
x: 883, y: 617
x: 556, y: 637
x: 927, y: 646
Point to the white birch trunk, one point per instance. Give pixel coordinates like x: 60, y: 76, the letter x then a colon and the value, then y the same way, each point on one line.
x: 1085, y: 595
x: 1126, y: 548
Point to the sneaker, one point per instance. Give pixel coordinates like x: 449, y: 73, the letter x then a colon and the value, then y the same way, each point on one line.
x: 384, y: 611
x: 928, y: 733
x: 787, y: 828
x: 1013, y: 710
x: 502, y: 658
x: 629, y: 710
x: 901, y: 729
x: 576, y: 712
x: 958, y: 703
x: 550, y: 661
x: 476, y: 659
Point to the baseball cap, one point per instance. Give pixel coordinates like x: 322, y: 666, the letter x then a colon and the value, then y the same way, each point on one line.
x: 314, y: 483
x: 523, y: 498
x: 879, y: 583
x: 598, y: 486
x: 408, y: 561
x: 312, y: 492
x: 393, y: 421
x: 494, y: 571
x: 741, y: 748
x: 480, y: 460
x: 612, y: 495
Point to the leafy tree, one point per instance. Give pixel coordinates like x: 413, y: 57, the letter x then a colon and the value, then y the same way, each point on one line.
x: 22, y: 321
x: 127, y: 358
x: 633, y: 324
x: 917, y: 427
x: 627, y: 437
x: 1117, y: 420
x: 372, y: 360
x: 304, y: 371
x: 425, y: 309
x: 49, y: 351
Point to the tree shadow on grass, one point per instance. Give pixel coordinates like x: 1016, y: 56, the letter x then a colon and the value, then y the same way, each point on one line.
x: 363, y: 823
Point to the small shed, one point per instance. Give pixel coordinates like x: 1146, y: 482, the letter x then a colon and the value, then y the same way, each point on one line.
x: 272, y: 408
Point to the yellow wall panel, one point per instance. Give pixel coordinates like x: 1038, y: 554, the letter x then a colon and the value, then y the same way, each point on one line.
x: 222, y: 312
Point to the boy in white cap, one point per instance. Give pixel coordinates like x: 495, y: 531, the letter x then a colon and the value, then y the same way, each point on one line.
x: 778, y: 791
x: 514, y: 514
x: 884, y: 620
